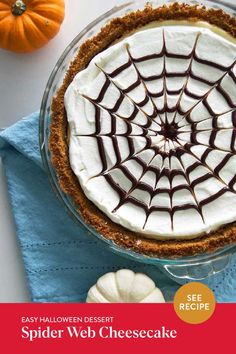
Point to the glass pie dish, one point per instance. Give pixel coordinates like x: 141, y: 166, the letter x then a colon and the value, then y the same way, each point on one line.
x: 181, y: 269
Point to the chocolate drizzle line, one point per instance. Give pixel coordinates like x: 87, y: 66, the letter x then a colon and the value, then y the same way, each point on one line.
x: 171, y: 145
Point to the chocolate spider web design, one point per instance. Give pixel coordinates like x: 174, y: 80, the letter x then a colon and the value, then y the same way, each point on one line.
x: 179, y: 146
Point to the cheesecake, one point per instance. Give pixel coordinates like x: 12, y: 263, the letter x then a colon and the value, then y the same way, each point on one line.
x: 143, y: 132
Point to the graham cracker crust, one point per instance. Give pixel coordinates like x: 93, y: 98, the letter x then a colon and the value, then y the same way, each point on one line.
x: 113, y: 31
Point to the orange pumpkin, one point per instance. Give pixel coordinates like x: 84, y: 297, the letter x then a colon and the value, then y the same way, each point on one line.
x: 26, y: 25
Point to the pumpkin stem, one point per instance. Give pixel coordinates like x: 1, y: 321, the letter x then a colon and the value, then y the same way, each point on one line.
x: 18, y: 8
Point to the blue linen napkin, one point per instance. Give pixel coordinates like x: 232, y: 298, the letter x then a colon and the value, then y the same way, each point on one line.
x: 62, y: 261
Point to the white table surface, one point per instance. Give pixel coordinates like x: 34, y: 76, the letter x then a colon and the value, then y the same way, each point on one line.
x: 23, y: 78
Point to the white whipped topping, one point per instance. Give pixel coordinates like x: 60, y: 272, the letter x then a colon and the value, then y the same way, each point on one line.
x: 154, y: 145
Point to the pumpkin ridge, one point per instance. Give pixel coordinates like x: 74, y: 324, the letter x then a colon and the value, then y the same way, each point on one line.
x: 4, y: 15
x: 8, y: 37
x: 149, y: 293
x: 31, y: 19
x: 21, y: 20
x: 18, y: 8
x: 4, y: 7
x: 5, y: 23
x: 43, y: 18
x: 6, y: 2
x: 103, y: 291
x: 90, y: 295
x: 37, y: 28
x: 50, y: 32
x: 31, y: 34
x: 105, y: 286
x: 5, y: 36
x: 117, y: 287
x: 54, y: 12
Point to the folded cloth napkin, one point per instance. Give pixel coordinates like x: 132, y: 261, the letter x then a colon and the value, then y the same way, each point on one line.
x: 62, y: 261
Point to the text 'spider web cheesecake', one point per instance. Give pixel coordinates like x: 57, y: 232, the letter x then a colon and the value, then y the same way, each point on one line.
x: 143, y: 133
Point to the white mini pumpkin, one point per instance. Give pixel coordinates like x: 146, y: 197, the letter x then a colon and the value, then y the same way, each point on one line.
x: 124, y: 286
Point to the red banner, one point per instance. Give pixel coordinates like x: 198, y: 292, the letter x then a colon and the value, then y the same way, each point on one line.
x: 111, y: 328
